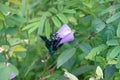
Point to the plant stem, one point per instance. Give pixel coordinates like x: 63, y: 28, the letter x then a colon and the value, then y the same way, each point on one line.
x: 45, y: 67
x: 51, y: 5
x: 30, y: 67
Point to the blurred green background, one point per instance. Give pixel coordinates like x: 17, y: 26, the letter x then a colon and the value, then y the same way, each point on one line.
x: 96, y: 27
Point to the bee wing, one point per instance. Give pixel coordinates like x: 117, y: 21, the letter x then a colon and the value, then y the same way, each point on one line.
x: 48, y: 44
x: 44, y: 38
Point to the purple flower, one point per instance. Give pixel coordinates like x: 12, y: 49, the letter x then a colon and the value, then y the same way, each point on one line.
x: 12, y: 75
x: 65, y: 34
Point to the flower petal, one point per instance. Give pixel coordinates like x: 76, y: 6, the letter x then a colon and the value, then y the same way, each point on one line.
x: 1, y: 49
x: 70, y: 76
x: 99, y: 72
x: 63, y: 31
x: 68, y: 38
x: 65, y: 34
x: 12, y: 75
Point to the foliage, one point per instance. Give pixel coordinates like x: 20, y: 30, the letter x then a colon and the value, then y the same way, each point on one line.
x: 96, y: 28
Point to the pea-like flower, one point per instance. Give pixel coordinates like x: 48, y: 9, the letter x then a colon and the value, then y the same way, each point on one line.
x: 1, y: 49
x: 70, y: 76
x: 26, y: 41
x: 12, y: 75
x: 65, y: 34
x: 56, y: 40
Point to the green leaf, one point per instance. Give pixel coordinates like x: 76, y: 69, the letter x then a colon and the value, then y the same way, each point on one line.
x: 112, y: 42
x: 82, y: 56
x: 109, y: 71
x: 30, y: 25
x: 98, y: 25
x: 48, y: 14
x: 118, y: 30
x: 60, y: 7
x: 53, y: 10
x: 95, y: 51
x: 2, y: 65
x: 108, y: 33
x: 34, y: 24
x: 34, y: 20
x: 18, y: 18
x: 2, y: 58
x: 85, y: 47
x: 5, y: 71
x: 114, y: 7
x: 18, y: 48
x: 14, y: 41
x: 41, y: 24
x: 73, y: 20
x: 21, y: 54
x: 69, y: 63
x: 56, y: 21
x: 62, y: 17
x: 101, y: 59
x: 11, y: 22
x: 11, y: 30
x: 47, y: 28
x: 83, y: 69
x: 87, y: 3
x: 15, y: 2
x: 111, y: 61
x: 113, y: 17
x: 118, y: 62
x: 65, y: 56
x: 70, y: 11
x: 13, y: 69
x: 1, y: 16
x: 33, y: 28
x: 114, y: 53
x: 4, y: 9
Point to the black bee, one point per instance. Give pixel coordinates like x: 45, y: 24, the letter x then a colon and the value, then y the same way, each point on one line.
x: 52, y: 43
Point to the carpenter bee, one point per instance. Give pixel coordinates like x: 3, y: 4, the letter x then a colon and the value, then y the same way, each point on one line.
x: 52, y: 43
